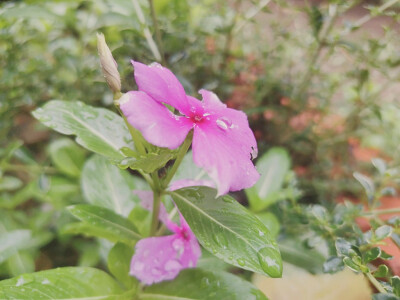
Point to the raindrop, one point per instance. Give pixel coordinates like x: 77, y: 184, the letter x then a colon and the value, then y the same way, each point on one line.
x: 223, y: 123
x: 177, y: 244
x: 172, y: 265
x: 241, y: 262
x: 138, y: 266
x: 260, y: 233
x: 205, y: 282
x: 266, y: 261
x: 20, y: 281
x: 156, y: 272
x: 45, y: 281
x: 227, y: 199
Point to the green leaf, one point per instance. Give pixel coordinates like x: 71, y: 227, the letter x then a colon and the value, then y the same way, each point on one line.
x: 380, y: 165
x: 149, y: 163
x: 333, y: 264
x: 67, y: 156
x: 367, y: 184
x: 295, y: 252
x: 97, y: 129
x: 119, y: 259
x: 20, y: 263
x: 383, y: 232
x: 105, y: 223
x: 343, y: 247
x: 395, y: 282
x: 351, y: 264
x: 271, y: 222
x: 382, y: 271
x: 12, y: 241
x: 372, y: 254
x: 196, y: 284
x: 189, y: 170
x: 384, y: 297
x: 10, y: 183
x: 229, y: 231
x: 63, y: 283
x: 273, y: 166
x: 106, y: 185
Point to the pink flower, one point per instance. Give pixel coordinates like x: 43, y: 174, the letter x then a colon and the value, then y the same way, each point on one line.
x: 223, y: 143
x: 163, y: 257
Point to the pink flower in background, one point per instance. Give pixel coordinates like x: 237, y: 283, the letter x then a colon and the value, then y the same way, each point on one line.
x: 223, y: 143
x: 163, y: 257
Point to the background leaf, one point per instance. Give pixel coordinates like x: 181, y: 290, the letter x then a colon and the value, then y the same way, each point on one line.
x: 67, y: 156
x: 229, y: 231
x: 200, y: 284
x: 273, y: 167
x: 106, y: 185
x: 105, y: 223
x: 97, y: 129
x: 118, y: 263
x: 12, y: 241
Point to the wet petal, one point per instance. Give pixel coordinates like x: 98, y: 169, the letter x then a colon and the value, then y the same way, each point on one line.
x: 161, y: 84
x: 157, y: 124
x: 162, y: 258
x: 224, y: 147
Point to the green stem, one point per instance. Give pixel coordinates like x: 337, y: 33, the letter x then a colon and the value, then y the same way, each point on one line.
x: 181, y: 154
x: 321, y: 41
x: 376, y: 283
x: 134, y: 133
x: 156, y: 211
x: 157, y: 31
x: 382, y: 211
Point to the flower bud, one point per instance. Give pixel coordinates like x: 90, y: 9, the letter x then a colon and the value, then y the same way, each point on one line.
x: 108, y: 65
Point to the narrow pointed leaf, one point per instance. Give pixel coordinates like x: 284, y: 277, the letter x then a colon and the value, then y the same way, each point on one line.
x: 198, y: 284
x: 97, y: 129
x: 105, y: 221
x: 229, y: 231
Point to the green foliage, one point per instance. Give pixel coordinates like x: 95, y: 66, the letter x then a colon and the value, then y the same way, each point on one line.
x: 99, y: 130
x: 229, y: 231
x: 202, y: 284
x: 62, y: 283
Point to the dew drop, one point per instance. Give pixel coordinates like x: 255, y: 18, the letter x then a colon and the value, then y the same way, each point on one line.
x: 260, y: 233
x: 20, y: 281
x: 267, y: 263
x: 156, y: 272
x: 138, y: 266
x: 45, y: 281
x: 241, y: 262
x: 177, y: 244
x: 223, y: 123
x: 205, y: 282
x: 227, y: 199
x: 172, y: 265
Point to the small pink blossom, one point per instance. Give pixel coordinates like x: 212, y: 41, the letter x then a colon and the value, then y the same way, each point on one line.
x: 162, y: 258
x: 223, y: 143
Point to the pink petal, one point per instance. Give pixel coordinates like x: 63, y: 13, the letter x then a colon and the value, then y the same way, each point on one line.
x: 158, y: 125
x: 161, y: 84
x: 224, y: 146
x: 188, y: 182
x: 162, y: 258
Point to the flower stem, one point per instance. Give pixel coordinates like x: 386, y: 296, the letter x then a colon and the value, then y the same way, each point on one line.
x: 157, y: 31
x: 156, y: 211
x: 382, y: 211
x: 181, y: 154
x: 146, y: 31
x: 376, y: 283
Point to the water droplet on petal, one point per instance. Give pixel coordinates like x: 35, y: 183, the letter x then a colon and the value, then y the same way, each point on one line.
x: 156, y: 272
x: 172, y: 265
x: 223, y: 123
x: 138, y: 266
x: 177, y: 244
